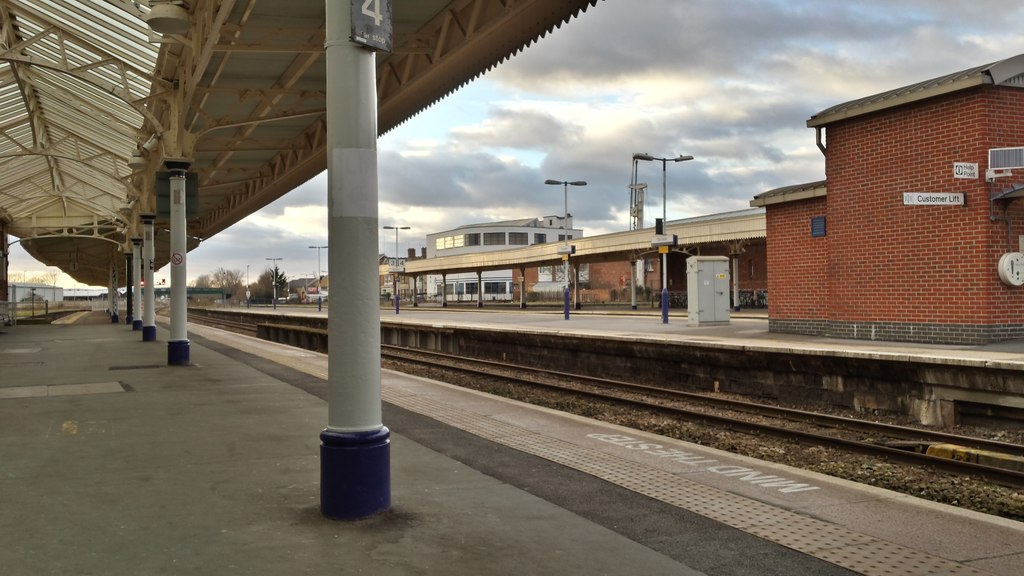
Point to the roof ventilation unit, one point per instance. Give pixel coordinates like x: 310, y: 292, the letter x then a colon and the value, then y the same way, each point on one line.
x: 1002, y: 160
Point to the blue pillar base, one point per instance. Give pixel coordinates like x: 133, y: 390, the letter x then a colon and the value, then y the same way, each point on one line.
x: 128, y: 319
x: 113, y: 318
x: 664, y: 306
x: 178, y: 353
x: 355, y: 473
x: 149, y: 333
x: 136, y: 325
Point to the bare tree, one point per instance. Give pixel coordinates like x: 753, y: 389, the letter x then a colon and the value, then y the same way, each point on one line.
x: 230, y: 281
x: 203, y: 281
x: 48, y: 277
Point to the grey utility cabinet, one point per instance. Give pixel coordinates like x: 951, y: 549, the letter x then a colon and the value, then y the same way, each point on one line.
x: 707, y: 290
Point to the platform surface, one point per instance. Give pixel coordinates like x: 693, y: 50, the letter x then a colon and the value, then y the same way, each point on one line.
x: 112, y: 462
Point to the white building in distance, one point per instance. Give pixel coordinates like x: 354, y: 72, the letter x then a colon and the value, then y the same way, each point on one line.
x: 473, y: 238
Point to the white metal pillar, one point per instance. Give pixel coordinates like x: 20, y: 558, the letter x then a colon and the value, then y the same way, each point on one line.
x: 479, y: 288
x: 178, y: 345
x: 522, y: 287
x: 136, y: 286
x: 632, y: 284
x: 112, y: 292
x: 355, y: 465
x: 149, y: 292
x: 129, y: 270
x: 736, y: 282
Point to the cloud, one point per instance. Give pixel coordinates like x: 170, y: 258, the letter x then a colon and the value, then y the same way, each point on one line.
x: 732, y: 83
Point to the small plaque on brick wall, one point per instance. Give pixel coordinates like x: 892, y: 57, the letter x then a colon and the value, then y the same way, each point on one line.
x: 965, y: 170
x: 933, y: 199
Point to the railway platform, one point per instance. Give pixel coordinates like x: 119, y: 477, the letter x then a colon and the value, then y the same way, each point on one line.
x: 113, y: 462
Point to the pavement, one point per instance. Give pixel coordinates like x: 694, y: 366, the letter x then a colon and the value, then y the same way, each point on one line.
x: 111, y: 463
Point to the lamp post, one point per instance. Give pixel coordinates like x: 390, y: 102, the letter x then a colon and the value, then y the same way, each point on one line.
x: 566, y: 250
x: 273, y: 279
x: 248, y: 294
x: 394, y: 269
x: 664, y: 206
x: 319, y: 297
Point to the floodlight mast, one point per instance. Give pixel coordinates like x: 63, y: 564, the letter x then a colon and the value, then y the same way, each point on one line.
x: 565, y: 236
x: 664, y: 255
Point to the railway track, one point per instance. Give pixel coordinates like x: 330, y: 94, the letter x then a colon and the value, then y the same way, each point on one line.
x: 247, y: 328
x: 886, y: 441
x: 893, y: 443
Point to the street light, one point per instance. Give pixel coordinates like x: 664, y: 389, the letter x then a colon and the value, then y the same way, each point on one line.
x: 664, y: 220
x: 394, y: 270
x: 319, y: 297
x: 273, y: 279
x: 565, y: 251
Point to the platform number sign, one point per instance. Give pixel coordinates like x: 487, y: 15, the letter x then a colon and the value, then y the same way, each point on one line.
x: 371, y: 24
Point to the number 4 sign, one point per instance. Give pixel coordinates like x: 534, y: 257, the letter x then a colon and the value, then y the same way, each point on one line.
x: 371, y: 24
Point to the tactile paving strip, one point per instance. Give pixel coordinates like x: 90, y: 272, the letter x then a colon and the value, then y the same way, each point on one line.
x: 858, y: 552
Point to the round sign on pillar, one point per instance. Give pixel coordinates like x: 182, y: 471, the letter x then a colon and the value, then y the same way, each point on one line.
x: 177, y: 258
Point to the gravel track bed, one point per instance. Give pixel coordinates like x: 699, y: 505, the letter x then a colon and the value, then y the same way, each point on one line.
x: 965, y: 492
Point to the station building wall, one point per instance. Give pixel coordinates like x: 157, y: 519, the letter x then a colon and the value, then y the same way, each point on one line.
x: 900, y: 272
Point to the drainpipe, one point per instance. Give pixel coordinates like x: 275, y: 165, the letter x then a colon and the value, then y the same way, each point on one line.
x: 817, y: 139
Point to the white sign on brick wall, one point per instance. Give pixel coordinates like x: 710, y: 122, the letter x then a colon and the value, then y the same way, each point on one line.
x: 965, y: 170
x: 933, y: 199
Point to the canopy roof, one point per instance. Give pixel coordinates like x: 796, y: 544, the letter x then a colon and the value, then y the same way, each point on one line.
x: 85, y: 85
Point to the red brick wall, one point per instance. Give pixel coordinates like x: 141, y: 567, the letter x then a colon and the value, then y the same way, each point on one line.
x: 609, y: 275
x: 797, y: 262
x: 887, y: 262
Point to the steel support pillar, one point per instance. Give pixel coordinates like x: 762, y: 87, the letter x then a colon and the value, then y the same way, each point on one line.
x: 632, y: 283
x: 355, y: 449
x: 129, y: 270
x: 479, y: 289
x: 178, y: 346
x: 149, y: 292
x: 112, y: 294
x: 135, y: 279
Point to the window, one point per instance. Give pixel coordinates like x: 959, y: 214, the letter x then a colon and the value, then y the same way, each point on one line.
x: 540, y: 238
x: 454, y: 242
x: 518, y: 238
x: 495, y: 288
x: 817, y: 226
x: 494, y: 238
x: 471, y: 239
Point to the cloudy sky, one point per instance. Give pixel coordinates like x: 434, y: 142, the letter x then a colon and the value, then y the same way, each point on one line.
x: 731, y: 82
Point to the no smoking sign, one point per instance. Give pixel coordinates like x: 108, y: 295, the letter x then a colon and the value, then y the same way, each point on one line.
x: 177, y: 258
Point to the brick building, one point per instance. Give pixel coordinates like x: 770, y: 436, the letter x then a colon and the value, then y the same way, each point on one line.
x: 904, y: 239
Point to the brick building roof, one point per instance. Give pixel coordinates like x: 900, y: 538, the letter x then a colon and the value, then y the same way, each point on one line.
x: 1008, y: 72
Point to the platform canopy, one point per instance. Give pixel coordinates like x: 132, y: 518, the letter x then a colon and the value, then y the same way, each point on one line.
x: 95, y: 95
